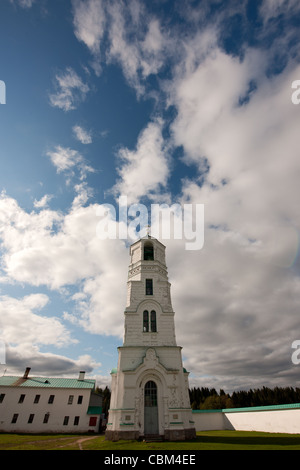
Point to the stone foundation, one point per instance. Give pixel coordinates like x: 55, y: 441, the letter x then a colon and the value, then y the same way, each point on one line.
x: 170, y: 435
x: 117, y: 435
x: 180, y: 434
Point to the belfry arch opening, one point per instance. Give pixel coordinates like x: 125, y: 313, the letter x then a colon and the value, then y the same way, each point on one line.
x: 148, y: 251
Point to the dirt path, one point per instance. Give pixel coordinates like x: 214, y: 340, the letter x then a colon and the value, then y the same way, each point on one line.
x: 58, y: 443
x: 79, y: 442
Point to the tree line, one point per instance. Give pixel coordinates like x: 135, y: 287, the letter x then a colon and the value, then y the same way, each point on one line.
x: 209, y: 399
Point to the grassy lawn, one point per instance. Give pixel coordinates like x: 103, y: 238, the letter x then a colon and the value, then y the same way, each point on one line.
x: 209, y: 440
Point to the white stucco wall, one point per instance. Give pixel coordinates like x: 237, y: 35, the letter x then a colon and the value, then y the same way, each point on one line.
x: 57, y: 410
x: 285, y: 419
x: 208, y: 421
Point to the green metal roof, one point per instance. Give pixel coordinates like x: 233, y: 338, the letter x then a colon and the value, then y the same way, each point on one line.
x: 262, y: 408
x: 47, y: 382
x: 7, y: 380
x: 251, y: 408
x: 94, y: 410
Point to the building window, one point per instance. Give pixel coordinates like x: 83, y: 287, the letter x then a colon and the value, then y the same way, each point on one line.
x: 46, y: 418
x: 148, y: 252
x: 51, y: 399
x: 145, y: 321
x: 2, y: 395
x: 37, y: 398
x: 66, y: 421
x: 22, y: 398
x: 71, y: 398
x: 30, y: 419
x: 14, y: 418
x: 93, y: 421
x: 149, y: 324
x: 150, y: 394
x: 80, y: 398
x: 149, y: 286
x: 76, y: 420
x: 153, y: 321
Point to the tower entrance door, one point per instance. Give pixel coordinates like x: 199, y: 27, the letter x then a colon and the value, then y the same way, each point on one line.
x: 151, y: 409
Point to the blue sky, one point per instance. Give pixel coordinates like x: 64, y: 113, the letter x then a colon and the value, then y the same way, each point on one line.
x: 163, y: 102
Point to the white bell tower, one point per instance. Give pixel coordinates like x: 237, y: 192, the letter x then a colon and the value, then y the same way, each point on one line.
x: 149, y: 391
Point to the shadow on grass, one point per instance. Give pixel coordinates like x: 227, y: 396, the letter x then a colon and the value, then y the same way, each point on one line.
x: 211, y: 440
x: 246, y: 441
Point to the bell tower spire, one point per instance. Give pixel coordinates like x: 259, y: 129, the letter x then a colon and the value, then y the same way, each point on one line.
x: 149, y: 392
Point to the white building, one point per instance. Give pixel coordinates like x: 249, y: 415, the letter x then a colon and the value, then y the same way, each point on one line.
x: 46, y: 405
x: 149, y: 391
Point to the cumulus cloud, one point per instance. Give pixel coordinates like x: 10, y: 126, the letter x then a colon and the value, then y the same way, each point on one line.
x: 43, y: 202
x: 25, y: 330
x: 89, y: 23
x: 70, y: 90
x: 47, y: 364
x: 66, y: 159
x: 238, y: 126
x: 89, y: 26
x: 81, y: 134
x: 139, y: 54
x: 55, y: 250
x: 236, y: 301
x: 19, y: 322
x: 145, y: 170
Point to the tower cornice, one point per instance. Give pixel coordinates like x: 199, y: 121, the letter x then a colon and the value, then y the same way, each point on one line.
x: 147, y: 266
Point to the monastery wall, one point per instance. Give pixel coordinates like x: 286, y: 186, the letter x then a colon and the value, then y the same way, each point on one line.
x: 280, y: 418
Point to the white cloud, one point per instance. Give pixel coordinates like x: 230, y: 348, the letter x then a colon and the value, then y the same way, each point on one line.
x: 21, y: 355
x: 241, y: 291
x: 70, y: 90
x: 273, y: 8
x: 55, y: 250
x: 43, y: 202
x: 139, y: 54
x: 66, y: 159
x: 235, y: 313
x: 236, y: 301
x: 20, y: 324
x: 89, y: 21
x: 144, y: 171
x: 24, y: 3
x: 205, y: 96
x: 84, y: 136
x: 121, y: 50
x: 84, y: 193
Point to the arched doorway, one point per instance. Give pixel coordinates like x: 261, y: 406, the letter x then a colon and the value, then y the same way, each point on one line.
x: 151, y: 409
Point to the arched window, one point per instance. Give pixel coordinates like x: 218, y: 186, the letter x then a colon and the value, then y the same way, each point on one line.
x: 150, y: 394
x: 149, y: 321
x: 145, y: 321
x: 148, y: 252
x: 153, y: 321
